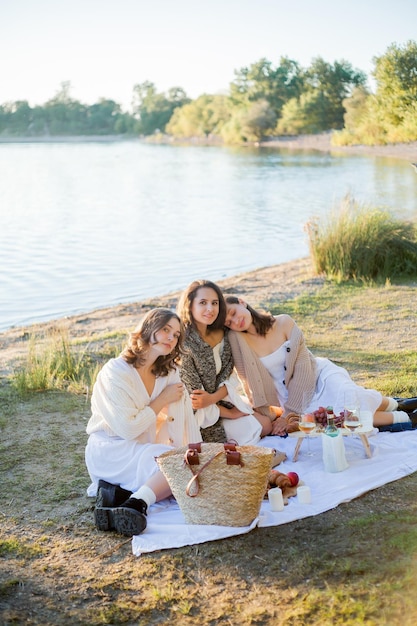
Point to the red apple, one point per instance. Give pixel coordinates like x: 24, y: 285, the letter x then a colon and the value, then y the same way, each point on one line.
x: 293, y: 478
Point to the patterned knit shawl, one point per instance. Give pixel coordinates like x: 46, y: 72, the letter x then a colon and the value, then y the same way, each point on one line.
x: 198, y: 368
x: 198, y: 371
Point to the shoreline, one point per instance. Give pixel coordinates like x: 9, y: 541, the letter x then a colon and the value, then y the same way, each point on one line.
x: 262, y: 286
x: 320, y: 142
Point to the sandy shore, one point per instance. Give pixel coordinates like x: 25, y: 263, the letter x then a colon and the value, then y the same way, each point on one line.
x: 261, y: 287
x: 322, y: 142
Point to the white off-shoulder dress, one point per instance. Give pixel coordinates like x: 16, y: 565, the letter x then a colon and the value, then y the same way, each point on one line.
x: 332, y: 381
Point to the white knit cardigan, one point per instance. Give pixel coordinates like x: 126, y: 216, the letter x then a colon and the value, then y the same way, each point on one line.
x: 120, y: 407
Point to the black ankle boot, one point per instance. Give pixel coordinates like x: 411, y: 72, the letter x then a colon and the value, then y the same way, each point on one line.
x: 407, y: 404
x: 127, y: 519
x: 111, y: 495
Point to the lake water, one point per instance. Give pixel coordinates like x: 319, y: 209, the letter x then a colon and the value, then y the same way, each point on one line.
x: 91, y: 225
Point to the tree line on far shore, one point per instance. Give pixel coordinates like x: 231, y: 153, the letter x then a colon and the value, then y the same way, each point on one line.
x: 263, y: 101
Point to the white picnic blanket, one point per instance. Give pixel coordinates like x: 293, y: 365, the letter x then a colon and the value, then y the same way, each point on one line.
x: 394, y: 455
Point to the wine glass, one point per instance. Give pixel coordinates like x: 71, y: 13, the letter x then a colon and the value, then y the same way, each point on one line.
x: 351, y: 411
x: 307, y: 423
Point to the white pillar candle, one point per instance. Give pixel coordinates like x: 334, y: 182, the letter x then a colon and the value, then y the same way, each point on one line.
x: 304, y: 494
x: 275, y: 499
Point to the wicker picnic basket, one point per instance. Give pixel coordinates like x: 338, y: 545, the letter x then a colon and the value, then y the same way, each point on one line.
x: 217, y: 483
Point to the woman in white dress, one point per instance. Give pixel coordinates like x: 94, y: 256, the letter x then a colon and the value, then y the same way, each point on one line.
x: 140, y: 409
x: 275, y: 366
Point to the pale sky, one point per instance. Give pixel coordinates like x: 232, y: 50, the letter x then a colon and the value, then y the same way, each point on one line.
x: 105, y: 47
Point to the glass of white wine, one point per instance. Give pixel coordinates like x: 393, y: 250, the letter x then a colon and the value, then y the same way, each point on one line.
x: 351, y: 411
x: 307, y: 425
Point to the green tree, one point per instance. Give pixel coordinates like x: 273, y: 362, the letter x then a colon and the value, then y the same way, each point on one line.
x: 321, y: 105
x: 39, y: 125
x: 396, y: 77
x: 65, y: 116
x: 258, y: 120
x: 103, y: 118
x: 389, y: 115
x: 126, y: 124
x: 16, y: 118
x: 331, y: 84
x: 356, y: 107
x: 361, y: 123
x: 177, y: 96
x: 293, y: 120
x: 263, y: 81
x: 307, y: 114
x: 200, y: 118
x: 153, y: 110
x: 62, y: 115
x: 251, y: 123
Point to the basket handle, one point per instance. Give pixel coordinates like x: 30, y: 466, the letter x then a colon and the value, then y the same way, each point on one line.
x: 191, y: 458
x: 232, y: 455
x: 191, y: 454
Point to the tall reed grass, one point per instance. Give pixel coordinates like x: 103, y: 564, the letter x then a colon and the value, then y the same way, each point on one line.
x: 54, y: 363
x: 362, y: 243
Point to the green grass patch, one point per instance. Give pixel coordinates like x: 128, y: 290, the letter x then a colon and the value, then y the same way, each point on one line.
x: 342, y: 322
x: 54, y: 361
x: 362, y: 243
x: 15, y: 547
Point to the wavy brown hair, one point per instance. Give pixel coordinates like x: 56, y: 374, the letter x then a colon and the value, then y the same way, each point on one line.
x: 140, y: 340
x: 262, y: 321
x: 187, y: 298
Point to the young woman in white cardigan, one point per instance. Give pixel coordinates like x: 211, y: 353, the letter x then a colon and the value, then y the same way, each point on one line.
x: 140, y: 409
x: 275, y: 365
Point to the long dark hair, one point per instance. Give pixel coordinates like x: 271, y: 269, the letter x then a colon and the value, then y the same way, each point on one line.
x: 140, y: 340
x: 187, y: 298
x: 262, y: 321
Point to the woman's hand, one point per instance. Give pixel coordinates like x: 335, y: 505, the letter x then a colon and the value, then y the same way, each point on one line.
x: 279, y: 426
x: 200, y: 399
x: 171, y: 393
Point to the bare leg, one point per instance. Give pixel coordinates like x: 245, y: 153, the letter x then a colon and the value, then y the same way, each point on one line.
x: 383, y: 418
x: 384, y: 404
x: 159, y: 485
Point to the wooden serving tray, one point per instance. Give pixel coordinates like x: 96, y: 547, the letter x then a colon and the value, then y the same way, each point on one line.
x: 363, y: 434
